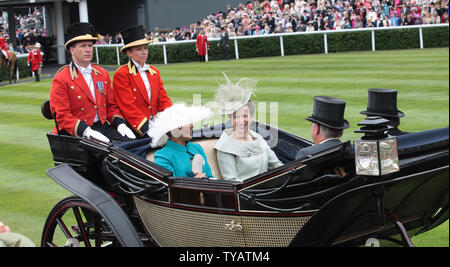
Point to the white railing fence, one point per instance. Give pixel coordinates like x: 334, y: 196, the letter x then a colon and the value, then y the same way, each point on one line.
x: 279, y: 35
x: 24, y: 55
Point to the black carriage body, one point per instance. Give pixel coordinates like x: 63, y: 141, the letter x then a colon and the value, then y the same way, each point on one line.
x: 318, y: 201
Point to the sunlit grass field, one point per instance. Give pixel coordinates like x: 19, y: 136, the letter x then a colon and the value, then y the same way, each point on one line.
x: 421, y: 77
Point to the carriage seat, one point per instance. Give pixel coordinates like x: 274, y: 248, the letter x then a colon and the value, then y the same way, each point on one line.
x: 210, y: 152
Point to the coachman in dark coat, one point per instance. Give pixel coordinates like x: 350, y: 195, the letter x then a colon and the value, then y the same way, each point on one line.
x: 383, y: 102
x: 328, y: 124
x: 225, y: 43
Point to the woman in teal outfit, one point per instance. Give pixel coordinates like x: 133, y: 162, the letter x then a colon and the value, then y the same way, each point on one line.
x: 173, y: 127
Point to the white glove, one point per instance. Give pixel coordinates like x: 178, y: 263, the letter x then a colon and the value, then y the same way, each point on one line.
x: 124, y: 130
x: 89, y: 133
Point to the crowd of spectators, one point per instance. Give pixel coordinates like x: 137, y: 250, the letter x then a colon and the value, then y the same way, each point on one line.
x: 261, y: 17
x: 29, y: 29
x: 110, y: 39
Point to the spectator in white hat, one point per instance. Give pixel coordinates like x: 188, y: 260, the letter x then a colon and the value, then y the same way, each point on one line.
x: 172, y: 128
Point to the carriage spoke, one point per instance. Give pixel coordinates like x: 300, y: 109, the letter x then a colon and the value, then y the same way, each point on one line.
x: 51, y: 244
x: 83, y: 233
x: 64, y: 229
x: 78, y: 222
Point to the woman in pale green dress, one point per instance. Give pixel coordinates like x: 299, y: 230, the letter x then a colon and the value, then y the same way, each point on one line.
x: 241, y: 152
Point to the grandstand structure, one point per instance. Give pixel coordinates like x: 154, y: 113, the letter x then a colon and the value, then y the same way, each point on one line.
x: 110, y: 16
x: 251, y: 17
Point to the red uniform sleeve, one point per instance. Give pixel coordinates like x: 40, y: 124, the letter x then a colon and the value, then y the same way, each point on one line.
x: 59, y: 103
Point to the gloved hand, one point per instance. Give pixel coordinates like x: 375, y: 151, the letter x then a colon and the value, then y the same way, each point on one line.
x: 125, y: 131
x: 28, y: 64
x: 89, y: 133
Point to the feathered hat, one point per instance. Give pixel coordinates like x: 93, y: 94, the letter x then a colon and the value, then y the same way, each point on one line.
x: 230, y: 97
x: 173, y: 117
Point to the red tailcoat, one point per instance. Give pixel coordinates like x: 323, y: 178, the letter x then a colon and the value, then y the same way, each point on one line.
x: 71, y: 99
x: 35, y: 57
x: 132, y: 96
x: 3, y: 45
x: 201, y: 44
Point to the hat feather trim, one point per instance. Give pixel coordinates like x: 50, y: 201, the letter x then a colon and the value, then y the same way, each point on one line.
x: 230, y: 97
x: 173, y: 117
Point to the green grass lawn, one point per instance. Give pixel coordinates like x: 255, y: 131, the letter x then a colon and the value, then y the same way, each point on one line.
x: 27, y: 194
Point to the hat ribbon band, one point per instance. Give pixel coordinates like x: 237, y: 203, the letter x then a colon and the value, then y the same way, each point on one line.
x: 383, y: 111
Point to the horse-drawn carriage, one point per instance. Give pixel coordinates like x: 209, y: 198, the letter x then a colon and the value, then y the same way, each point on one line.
x: 378, y: 188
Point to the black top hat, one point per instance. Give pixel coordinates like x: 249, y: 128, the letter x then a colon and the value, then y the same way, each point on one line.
x: 133, y: 36
x: 81, y: 31
x: 329, y: 111
x: 382, y: 102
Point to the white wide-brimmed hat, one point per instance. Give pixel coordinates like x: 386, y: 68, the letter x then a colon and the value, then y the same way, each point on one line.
x: 173, y: 117
x: 230, y: 97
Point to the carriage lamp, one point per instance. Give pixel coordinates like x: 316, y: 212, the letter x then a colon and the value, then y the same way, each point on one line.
x: 377, y: 157
x: 375, y: 154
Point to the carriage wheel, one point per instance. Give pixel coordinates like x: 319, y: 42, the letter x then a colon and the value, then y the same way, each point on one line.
x: 75, y: 223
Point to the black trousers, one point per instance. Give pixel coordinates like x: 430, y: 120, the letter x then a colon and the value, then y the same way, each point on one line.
x: 36, y: 75
x: 201, y: 58
x: 226, y: 52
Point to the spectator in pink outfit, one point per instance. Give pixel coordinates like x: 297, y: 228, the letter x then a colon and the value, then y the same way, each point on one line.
x: 246, y: 23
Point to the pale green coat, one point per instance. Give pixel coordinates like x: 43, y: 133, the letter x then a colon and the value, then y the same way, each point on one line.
x: 14, y: 240
x: 242, y: 160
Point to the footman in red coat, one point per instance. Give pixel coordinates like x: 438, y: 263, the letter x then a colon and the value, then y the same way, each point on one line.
x: 81, y: 93
x: 201, y: 45
x: 138, y: 87
x: 35, y: 60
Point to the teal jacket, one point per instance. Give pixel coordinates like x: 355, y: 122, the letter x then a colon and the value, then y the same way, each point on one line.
x: 177, y: 159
